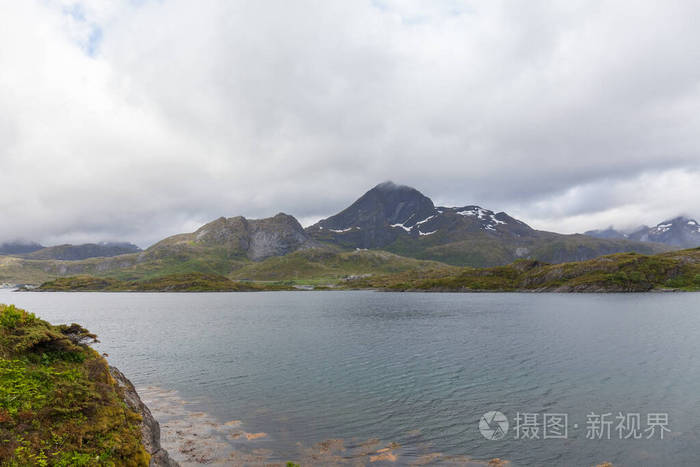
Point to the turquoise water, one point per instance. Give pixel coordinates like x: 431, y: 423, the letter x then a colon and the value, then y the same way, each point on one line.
x: 415, y: 369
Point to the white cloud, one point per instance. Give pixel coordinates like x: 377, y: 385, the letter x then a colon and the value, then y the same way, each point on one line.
x: 179, y: 112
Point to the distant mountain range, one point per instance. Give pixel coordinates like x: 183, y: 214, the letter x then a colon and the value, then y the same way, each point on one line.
x: 18, y: 248
x: 398, y: 219
x: 68, y: 252
x: 680, y: 232
x: 391, y: 228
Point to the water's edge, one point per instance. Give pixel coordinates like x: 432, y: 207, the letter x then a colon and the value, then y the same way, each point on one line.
x: 150, y: 428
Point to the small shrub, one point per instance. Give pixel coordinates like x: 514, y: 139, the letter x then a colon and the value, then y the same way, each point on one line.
x: 637, y: 276
x: 10, y: 316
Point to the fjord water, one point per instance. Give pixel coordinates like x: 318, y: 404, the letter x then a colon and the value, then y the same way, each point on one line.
x: 417, y: 369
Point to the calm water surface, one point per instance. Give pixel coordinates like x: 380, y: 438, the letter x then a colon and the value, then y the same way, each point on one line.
x: 417, y: 369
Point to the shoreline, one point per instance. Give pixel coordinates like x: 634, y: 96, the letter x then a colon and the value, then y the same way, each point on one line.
x: 150, y: 428
x: 563, y: 290
x: 196, y: 438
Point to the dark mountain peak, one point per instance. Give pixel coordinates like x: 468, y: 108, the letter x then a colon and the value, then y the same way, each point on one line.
x: 373, y: 220
x: 387, y: 185
x: 389, y: 211
x: 391, y: 186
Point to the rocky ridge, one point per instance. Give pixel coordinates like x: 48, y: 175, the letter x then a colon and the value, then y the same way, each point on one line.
x: 681, y: 232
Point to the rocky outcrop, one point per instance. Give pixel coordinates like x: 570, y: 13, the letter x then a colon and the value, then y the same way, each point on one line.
x: 150, y: 429
x: 236, y: 237
x: 256, y: 238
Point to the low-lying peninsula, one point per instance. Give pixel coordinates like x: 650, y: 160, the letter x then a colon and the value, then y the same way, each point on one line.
x: 61, y: 404
x: 622, y: 272
x: 191, y: 282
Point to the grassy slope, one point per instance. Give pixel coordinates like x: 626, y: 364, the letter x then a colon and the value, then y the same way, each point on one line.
x: 320, y: 265
x: 58, y: 403
x: 483, y: 250
x: 623, y: 272
x: 16, y: 270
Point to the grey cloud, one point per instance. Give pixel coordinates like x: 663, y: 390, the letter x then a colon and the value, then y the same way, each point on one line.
x: 562, y: 114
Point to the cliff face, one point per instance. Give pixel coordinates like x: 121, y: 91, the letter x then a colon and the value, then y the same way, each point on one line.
x: 254, y: 239
x: 150, y: 429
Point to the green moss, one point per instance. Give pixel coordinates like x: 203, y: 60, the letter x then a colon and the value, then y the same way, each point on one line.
x: 58, y: 403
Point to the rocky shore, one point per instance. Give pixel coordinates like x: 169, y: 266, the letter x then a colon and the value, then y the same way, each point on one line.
x: 150, y: 428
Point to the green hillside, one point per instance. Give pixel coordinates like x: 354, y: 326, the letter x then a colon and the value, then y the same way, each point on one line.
x: 478, y: 249
x: 325, y: 265
x: 191, y: 282
x: 622, y: 272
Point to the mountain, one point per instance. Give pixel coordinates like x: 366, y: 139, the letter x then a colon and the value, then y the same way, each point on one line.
x: 238, y: 237
x: 608, y: 233
x: 377, y: 218
x: 680, y: 232
x: 18, y: 248
x: 401, y: 227
x: 402, y: 220
x: 389, y: 212
x: 80, y: 252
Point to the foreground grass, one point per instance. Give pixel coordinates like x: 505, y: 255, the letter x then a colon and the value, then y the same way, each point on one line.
x: 623, y: 272
x: 59, y: 406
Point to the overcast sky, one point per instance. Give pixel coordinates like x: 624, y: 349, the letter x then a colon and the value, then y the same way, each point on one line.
x: 139, y: 119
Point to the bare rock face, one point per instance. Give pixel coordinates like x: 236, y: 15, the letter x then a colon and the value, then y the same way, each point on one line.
x: 255, y: 238
x: 150, y: 429
x: 276, y: 236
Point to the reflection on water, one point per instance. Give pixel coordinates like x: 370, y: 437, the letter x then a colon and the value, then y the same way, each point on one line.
x: 321, y: 373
